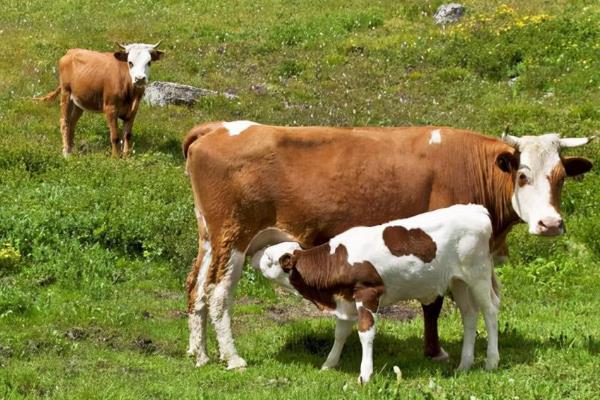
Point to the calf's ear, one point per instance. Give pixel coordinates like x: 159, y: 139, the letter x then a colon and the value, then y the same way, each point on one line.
x: 121, y: 55
x: 507, y: 162
x: 286, y: 262
x: 576, y: 166
x: 156, y: 55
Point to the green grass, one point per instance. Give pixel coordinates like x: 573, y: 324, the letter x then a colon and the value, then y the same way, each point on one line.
x: 94, y: 251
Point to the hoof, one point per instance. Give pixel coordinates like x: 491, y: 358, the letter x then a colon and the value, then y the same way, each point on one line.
x: 236, y: 363
x: 441, y: 357
x: 464, y: 365
x: 202, y: 360
x: 491, y: 365
x: 363, y: 379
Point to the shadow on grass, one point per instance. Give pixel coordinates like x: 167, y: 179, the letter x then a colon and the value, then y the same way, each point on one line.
x: 310, y: 344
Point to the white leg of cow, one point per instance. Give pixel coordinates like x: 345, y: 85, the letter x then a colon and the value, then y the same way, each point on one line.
x: 366, y: 365
x: 199, y: 315
x: 219, y: 309
x: 469, y: 315
x: 343, y: 328
x: 488, y: 303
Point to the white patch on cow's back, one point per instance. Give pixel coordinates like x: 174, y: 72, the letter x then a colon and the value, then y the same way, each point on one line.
x: 436, y: 137
x: 236, y: 127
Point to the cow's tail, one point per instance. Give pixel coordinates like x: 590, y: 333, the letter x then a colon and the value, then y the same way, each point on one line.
x: 495, y: 290
x: 50, y: 96
x: 196, y: 133
x: 266, y: 237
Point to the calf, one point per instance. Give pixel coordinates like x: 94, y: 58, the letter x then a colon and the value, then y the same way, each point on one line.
x: 416, y: 258
x: 112, y: 83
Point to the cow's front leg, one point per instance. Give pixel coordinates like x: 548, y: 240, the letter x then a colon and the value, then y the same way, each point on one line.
x: 111, y: 119
x: 128, y: 126
x: 431, y: 313
x: 343, y: 328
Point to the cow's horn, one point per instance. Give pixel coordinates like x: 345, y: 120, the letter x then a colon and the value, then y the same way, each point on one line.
x: 510, y: 140
x: 157, y: 44
x: 121, y: 45
x: 575, y: 142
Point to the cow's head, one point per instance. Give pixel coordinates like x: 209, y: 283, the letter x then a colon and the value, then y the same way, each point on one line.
x: 139, y: 56
x: 540, y: 171
x: 277, y: 261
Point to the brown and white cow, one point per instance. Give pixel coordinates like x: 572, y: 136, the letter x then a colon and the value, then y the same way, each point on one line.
x: 420, y: 258
x: 112, y: 83
x: 315, y: 182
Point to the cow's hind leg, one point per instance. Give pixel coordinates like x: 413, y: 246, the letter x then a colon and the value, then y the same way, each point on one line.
x: 431, y: 314
x: 343, y: 328
x: 66, y: 110
x: 198, y: 312
x: 222, y: 287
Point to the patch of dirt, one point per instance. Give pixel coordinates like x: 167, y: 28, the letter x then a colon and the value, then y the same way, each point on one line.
x: 76, y: 334
x: 280, y: 313
x: 177, y: 314
x: 145, y: 345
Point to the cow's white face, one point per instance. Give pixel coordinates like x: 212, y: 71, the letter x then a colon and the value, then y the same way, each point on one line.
x: 139, y: 56
x: 270, y: 263
x: 539, y: 179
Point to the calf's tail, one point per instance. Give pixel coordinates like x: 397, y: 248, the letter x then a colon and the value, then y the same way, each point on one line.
x: 50, y: 96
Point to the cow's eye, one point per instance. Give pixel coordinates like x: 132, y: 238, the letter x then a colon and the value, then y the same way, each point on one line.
x: 523, y: 180
x: 149, y: 63
x: 130, y: 64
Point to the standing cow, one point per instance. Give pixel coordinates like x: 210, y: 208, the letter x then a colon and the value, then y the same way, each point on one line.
x: 316, y: 182
x: 112, y: 83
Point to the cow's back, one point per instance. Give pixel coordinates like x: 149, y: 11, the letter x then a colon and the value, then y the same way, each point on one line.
x: 316, y: 182
x: 90, y: 76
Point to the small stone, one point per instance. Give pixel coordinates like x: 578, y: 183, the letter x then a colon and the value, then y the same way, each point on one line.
x: 448, y: 13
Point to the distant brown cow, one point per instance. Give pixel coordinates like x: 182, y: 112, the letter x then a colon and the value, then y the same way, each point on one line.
x: 315, y: 182
x: 112, y: 83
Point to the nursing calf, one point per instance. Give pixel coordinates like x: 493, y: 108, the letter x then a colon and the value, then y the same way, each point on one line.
x: 416, y: 258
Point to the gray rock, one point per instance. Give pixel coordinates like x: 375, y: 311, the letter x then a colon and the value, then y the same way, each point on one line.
x: 162, y: 93
x: 449, y: 13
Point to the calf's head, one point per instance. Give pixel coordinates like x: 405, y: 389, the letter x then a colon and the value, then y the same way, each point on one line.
x: 540, y: 171
x: 139, y: 56
x: 277, y: 261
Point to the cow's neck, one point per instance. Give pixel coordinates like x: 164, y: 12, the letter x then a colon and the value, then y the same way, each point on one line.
x: 495, y: 192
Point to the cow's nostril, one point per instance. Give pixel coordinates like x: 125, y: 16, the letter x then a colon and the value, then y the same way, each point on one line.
x: 542, y: 224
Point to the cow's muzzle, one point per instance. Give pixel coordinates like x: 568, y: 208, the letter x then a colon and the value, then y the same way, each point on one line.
x: 550, y: 226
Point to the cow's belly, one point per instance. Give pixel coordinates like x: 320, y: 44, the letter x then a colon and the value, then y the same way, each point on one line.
x: 411, y: 279
x: 87, y: 103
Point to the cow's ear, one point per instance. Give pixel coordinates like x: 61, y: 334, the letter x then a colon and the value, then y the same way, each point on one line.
x: 286, y: 262
x: 576, y: 166
x: 507, y: 162
x: 156, y: 55
x: 121, y: 55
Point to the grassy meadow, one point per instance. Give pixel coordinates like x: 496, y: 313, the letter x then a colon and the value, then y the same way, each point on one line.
x: 94, y: 251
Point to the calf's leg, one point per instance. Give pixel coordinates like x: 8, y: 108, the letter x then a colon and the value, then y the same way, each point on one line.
x: 366, y: 334
x: 469, y: 314
x: 343, y: 328
x: 488, y: 302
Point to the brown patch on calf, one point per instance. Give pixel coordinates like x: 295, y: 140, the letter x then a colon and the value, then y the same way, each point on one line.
x: 321, y: 277
x: 403, y: 242
x: 365, y: 319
